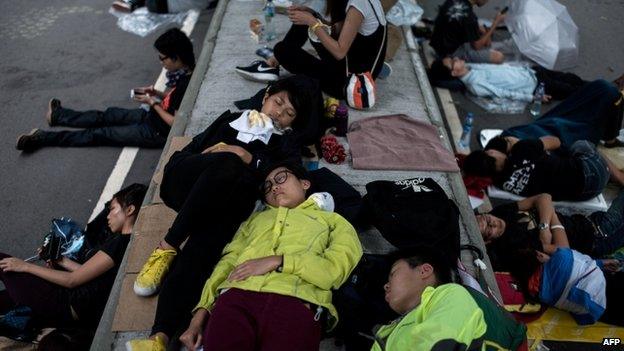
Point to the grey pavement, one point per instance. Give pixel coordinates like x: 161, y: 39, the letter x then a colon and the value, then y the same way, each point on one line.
x: 73, y: 50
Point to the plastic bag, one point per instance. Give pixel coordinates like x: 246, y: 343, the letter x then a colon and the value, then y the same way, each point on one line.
x: 142, y: 22
x: 499, y: 105
x: 405, y: 13
x: 65, y: 238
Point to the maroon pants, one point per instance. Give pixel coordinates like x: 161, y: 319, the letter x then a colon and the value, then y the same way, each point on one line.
x: 49, y: 302
x: 245, y: 320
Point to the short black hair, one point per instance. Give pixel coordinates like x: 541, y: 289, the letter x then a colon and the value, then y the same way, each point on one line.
x: 416, y: 256
x: 132, y: 195
x: 304, y: 94
x: 295, y: 168
x: 439, y: 72
x: 479, y: 164
x: 176, y: 45
x: 498, y: 143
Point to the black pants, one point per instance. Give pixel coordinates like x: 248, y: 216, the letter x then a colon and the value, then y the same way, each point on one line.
x: 112, y: 127
x: 213, y: 194
x: 49, y: 302
x: 330, y: 72
x: 614, y: 313
x: 559, y: 85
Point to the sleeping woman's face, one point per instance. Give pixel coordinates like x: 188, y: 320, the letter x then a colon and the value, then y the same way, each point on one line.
x: 280, y: 109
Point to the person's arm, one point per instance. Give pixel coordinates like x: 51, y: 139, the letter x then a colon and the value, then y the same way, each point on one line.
x: 162, y: 113
x: 68, y: 264
x: 94, y: 267
x: 553, y: 236
x: 550, y: 142
x: 331, y: 269
x: 152, y: 91
x: 337, y: 48
x: 192, y: 337
x: 486, y: 38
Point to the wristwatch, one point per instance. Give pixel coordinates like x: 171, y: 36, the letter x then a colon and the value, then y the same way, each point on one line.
x: 543, y: 226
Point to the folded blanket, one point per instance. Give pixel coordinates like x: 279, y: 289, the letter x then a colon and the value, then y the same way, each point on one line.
x: 398, y: 142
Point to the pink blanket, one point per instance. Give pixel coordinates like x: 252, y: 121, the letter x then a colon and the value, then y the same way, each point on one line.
x: 397, y: 142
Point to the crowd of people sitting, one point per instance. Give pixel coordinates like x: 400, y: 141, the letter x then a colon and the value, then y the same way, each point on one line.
x: 267, y: 247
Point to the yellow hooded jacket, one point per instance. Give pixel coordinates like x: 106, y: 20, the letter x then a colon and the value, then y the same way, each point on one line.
x: 447, y: 318
x: 319, y: 249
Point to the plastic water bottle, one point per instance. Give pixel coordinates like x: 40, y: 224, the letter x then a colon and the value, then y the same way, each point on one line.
x: 269, y: 13
x: 536, y: 105
x: 464, y: 141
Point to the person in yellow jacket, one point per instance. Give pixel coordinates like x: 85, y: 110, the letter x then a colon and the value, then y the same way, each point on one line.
x: 273, y: 283
x: 435, y: 314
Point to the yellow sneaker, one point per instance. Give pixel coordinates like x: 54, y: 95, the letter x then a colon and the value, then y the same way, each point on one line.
x: 151, y: 276
x: 156, y: 344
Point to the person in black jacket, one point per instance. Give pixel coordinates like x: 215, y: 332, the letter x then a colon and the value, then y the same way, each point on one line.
x: 213, y: 184
x: 75, y: 294
x: 117, y: 126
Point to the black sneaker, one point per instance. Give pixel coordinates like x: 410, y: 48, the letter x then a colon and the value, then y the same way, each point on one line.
x: 53, y: 105
x: 259, y: 71
x: 28, y: 142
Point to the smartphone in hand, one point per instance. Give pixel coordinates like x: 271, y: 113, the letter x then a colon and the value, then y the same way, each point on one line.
x: 134, y: 92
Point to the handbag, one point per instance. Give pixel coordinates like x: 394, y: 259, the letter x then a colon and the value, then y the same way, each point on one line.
x: 360, y: 88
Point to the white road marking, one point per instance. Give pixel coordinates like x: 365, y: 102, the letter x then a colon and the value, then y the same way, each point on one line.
x: 128, y: 154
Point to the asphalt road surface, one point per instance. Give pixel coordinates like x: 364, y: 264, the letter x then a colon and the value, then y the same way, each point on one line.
x: 72, y: 50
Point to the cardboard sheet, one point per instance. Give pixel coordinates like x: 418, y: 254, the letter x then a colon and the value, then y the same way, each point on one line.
x: 559, y: 325
x: 134, y: 313
x: 154, y: 219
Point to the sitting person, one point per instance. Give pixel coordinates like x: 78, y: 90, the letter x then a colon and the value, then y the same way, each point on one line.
x: 456, y: 33
x: 77, y: 293
x: 436, y: 314
x: 504, y: 80
x: 273, y: 282
x: 119, y: 126
x: 212, y: 183
x: 535, y: 221
x: 571, y: 281
x: 531, y: 168
x: 356, y: 43
x: 593, y: 113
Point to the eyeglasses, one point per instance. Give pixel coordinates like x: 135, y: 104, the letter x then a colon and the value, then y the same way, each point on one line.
x: 280, y: 178
x: 162, y: 58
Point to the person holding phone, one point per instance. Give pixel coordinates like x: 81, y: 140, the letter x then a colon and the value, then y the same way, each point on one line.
x: 457, y: 33
x: 119, y: 126
x: 73, y: 293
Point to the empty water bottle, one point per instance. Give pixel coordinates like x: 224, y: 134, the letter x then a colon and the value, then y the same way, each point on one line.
x: 536, y: 105
x: 269, y: 13
x: 464, y: 141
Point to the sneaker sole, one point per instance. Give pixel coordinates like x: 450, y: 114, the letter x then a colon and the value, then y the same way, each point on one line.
x: 48, y: 116
x: 145, y: 292
x: 258, y: 77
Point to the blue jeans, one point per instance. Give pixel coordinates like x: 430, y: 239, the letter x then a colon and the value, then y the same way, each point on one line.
x: 595, y: 170
x: 112, y: 127
x: 610, y: 225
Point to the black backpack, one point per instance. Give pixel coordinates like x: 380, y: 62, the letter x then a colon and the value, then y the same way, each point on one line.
x: 413, y: 213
